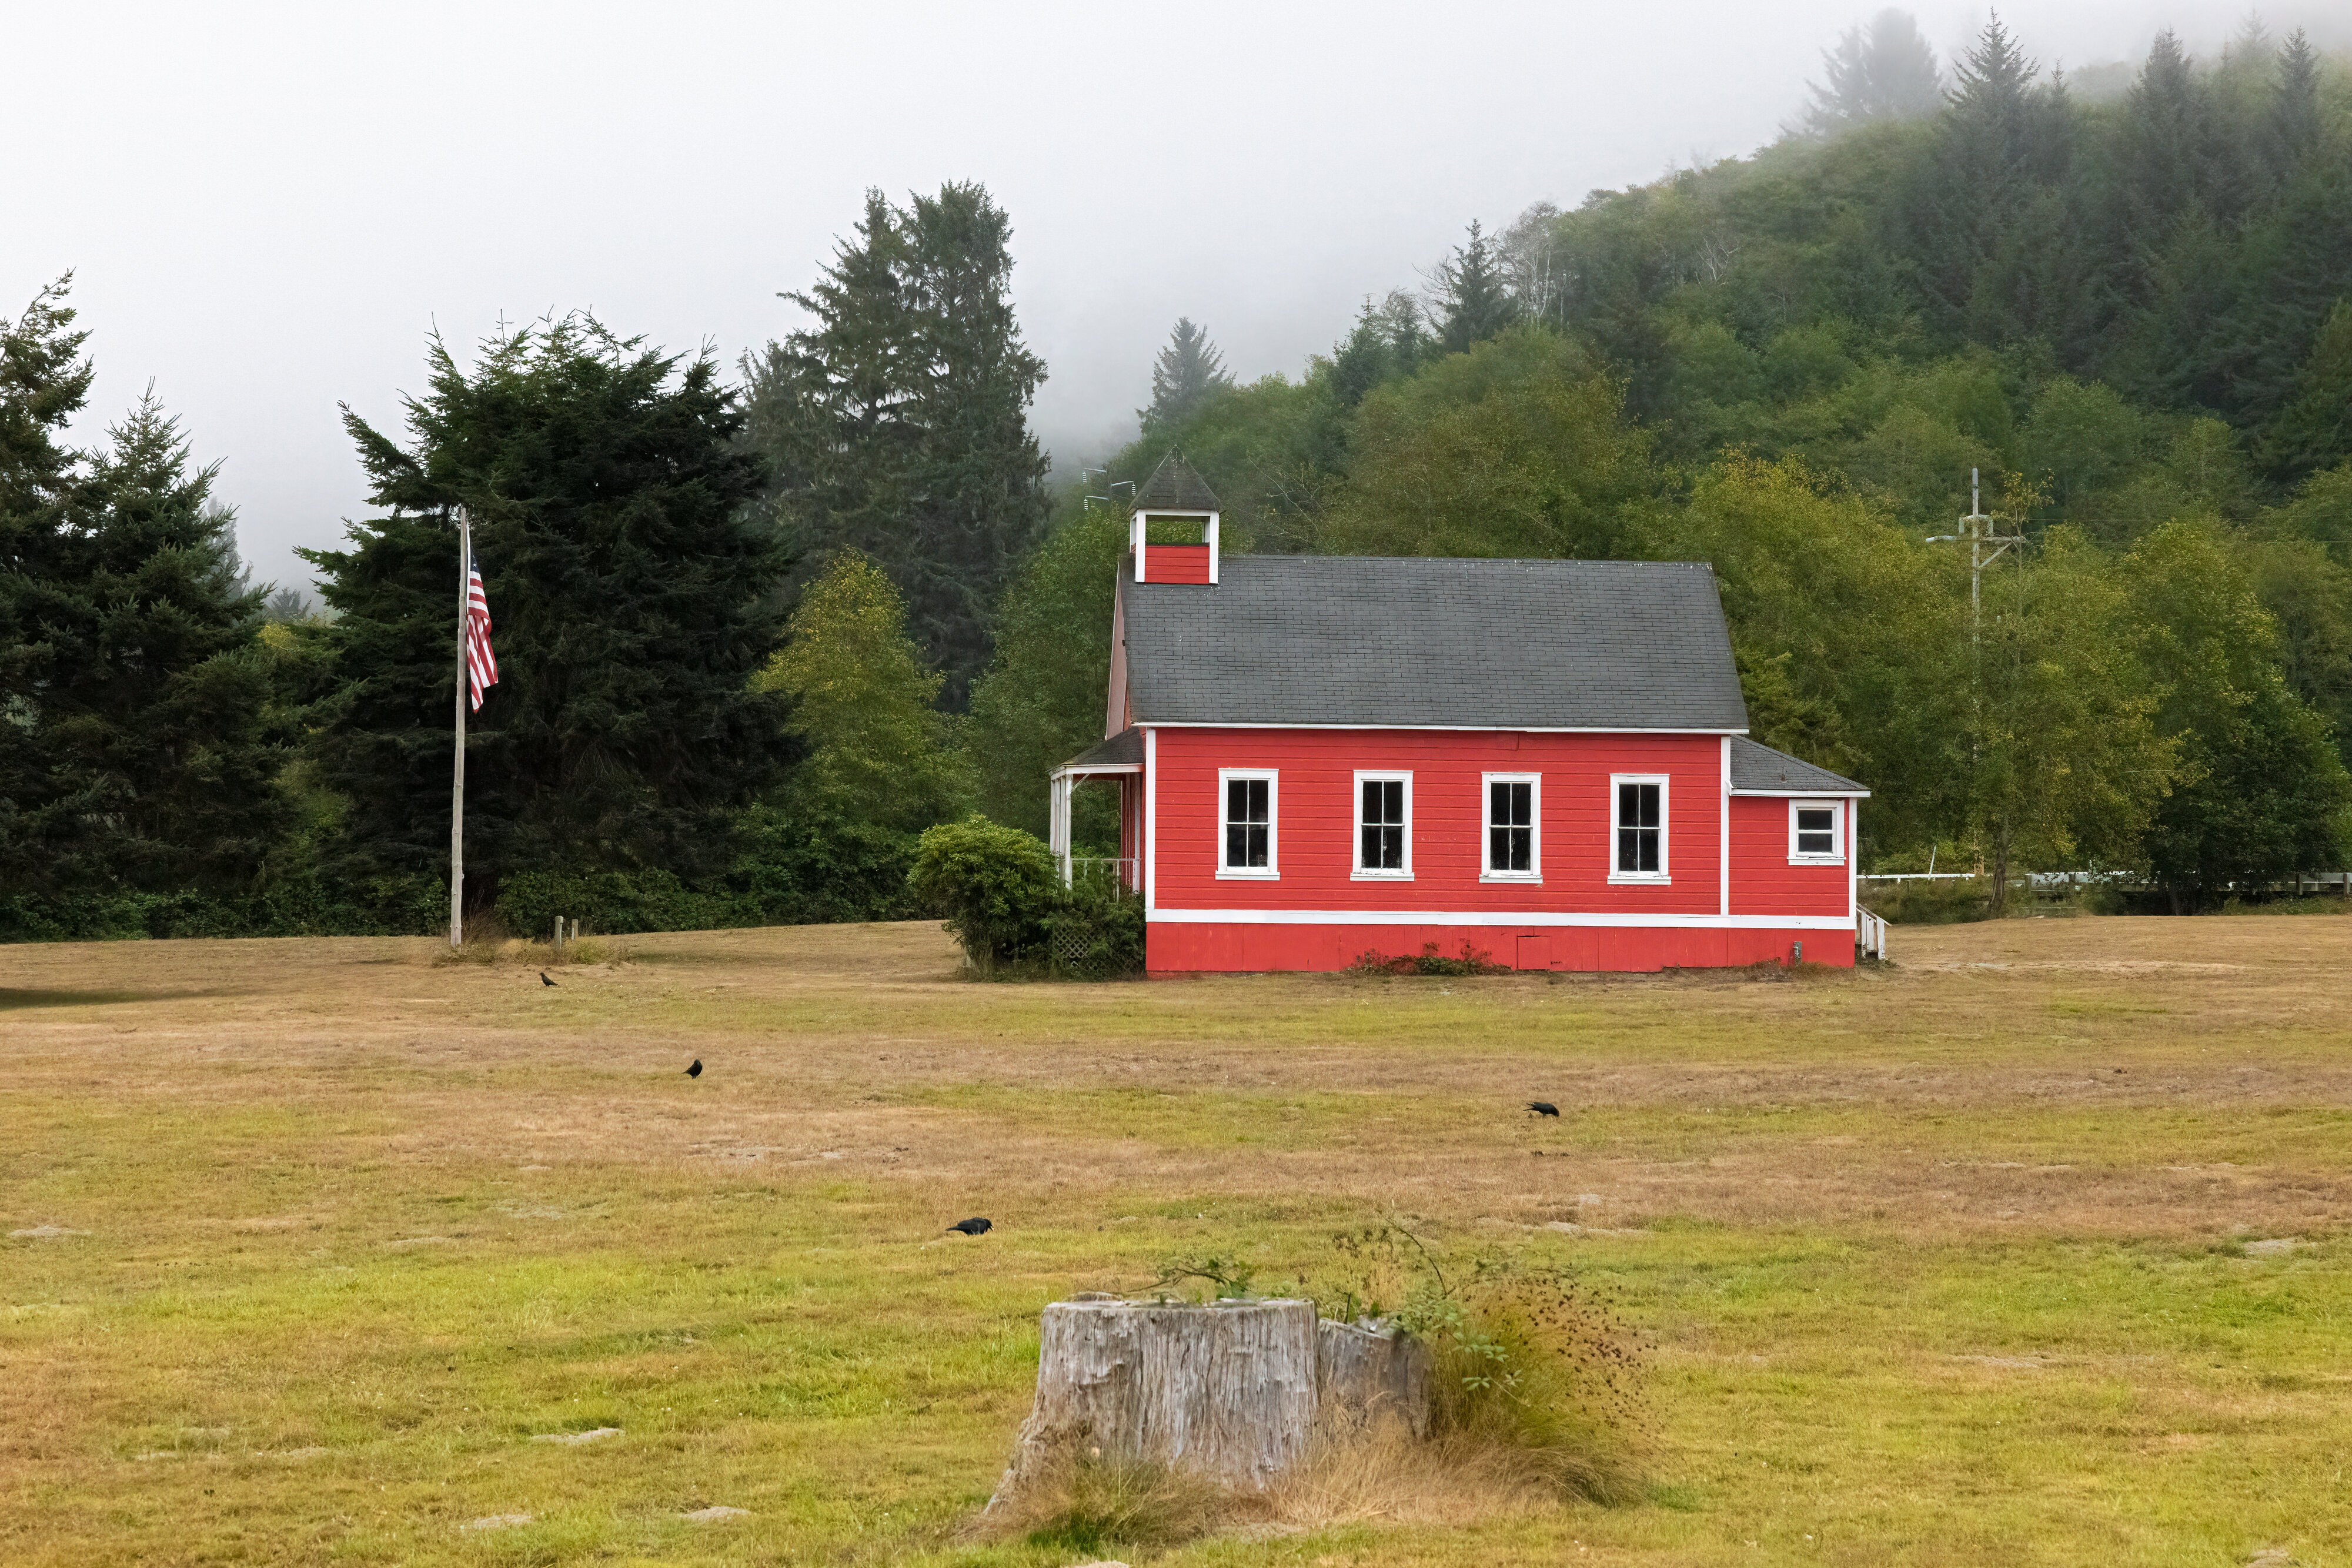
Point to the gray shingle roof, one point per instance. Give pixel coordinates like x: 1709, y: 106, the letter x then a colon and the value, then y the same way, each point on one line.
x: 1755, y: 766
x: 1504, y: 644
x: 1125, y: 748
x: 1174, y: 487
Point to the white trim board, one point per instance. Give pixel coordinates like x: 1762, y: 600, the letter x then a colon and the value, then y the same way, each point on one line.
x: 1489, y: 917
x: 1150, y: 820
x: 1803, y: 794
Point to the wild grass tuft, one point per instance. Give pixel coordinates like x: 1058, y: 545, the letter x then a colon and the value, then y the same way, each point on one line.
x: 1536, y: 1379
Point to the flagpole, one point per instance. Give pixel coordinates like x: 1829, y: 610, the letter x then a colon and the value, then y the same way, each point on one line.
x: 458, y: 773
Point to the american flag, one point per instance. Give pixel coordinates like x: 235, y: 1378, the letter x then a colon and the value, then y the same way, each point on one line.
x: 481, y: 664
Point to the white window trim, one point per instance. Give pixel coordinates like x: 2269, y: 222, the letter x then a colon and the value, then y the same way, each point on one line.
x: 1272, y: 870
x: 1486, y: 872
x: 1837, y: 831
x: 1363, y: 872
x: 1664, y: 874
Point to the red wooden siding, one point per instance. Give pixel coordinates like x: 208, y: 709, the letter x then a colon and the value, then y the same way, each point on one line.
x: 1762, y: 880
x: 1175, y: 563
x: 1316, y: 817
x: 1172, y: 947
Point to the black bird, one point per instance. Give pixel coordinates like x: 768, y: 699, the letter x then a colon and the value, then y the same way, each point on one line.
x: 543, y: 980
x: 695, y: 1071
x: 971, y: 1227
x: 1543, y: 1107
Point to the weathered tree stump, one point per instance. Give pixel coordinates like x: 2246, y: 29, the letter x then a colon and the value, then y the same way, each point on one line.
x: 1368, y: 1373
x: 1235, y: 1392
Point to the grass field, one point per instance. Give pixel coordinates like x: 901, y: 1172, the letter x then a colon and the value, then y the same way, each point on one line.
x: 2029, y: 1249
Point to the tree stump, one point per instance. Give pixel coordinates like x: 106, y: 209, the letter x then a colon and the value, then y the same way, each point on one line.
x: 1368, y: 1372
x: 1235, y: 1392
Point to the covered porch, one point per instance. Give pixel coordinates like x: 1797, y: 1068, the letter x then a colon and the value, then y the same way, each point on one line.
x: 1120, y: 759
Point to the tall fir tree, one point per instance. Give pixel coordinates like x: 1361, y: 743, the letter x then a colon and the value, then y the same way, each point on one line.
x: 632, y: 597
x: 1363, y: 359
x: 2292, y: 133
x: 1883, y: 70
x: 1187, y: 374
x: 896, y: 424
x: 1998, y: 142
x: 138, y: 749
x: 1473, y: 298
x: 2314, y: 430
x: 2169, y: 154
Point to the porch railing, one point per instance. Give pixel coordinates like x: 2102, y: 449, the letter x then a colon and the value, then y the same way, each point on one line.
x: 1090, y: 870
x: 1869, y: 934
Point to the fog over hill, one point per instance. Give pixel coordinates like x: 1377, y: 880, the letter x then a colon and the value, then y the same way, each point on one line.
x: 267, y: 208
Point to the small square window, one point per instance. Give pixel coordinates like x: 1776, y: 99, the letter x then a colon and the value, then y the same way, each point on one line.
x: 1817, y: 832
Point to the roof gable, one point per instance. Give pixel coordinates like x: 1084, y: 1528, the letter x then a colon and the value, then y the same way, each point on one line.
x: 1372, y: 642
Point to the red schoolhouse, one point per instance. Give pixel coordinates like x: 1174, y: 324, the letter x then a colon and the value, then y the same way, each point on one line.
x: 1546, y: 761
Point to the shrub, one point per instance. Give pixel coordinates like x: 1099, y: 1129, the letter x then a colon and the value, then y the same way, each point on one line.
x: 1095, y: 932
x: 1428, y: 961
x: 1936, y: 903
x: 993, y: 885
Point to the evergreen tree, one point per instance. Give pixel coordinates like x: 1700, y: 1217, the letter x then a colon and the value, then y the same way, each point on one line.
x: 1187, y: 372
x: 137, y: 746
x: 1884, y: 70
x: 896, y: 425
x: 1041, y: 702
x: 1474, y: 300
x: 44, y: 381
x: 878, y: 751
x: 631, y: 599
x: 161, y: 701
x: 2167, y: 151
x: 1997, y: 144
x: 1363, y: 360
x: 2314, y: 431
x: 2294, y: 129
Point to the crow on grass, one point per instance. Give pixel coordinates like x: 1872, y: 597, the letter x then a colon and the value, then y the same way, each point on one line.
x: 1543, y: 1107
x: 695, y: 1071
x: 543, y: 980
x: 972, y: 1227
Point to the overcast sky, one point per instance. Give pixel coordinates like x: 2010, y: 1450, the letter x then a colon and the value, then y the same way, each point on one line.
x: 267, y: 207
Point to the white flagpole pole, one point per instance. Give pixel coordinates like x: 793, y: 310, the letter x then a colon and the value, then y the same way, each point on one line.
x: 457, y: 775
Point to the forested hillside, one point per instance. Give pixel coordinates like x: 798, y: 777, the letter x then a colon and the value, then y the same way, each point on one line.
x: 2133, y: 315
x: 755, y: 637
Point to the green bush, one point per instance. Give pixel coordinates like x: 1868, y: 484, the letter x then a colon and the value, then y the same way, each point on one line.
x: 1928, y: 903
x: 994, y: 886
x: 1095, y: 932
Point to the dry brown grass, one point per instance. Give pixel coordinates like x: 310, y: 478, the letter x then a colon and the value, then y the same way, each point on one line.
x: 1968, y: 1229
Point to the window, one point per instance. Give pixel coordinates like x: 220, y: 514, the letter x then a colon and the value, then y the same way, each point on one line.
x: 1249, y: 803
x: 1513, y: 801
x: 1639, y: 853
x: 1384, y: 825
x: 1816, y: 832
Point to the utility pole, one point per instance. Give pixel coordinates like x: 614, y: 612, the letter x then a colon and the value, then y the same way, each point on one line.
x: 457, y: 776
x: 1976, y: 532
